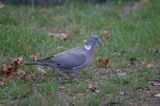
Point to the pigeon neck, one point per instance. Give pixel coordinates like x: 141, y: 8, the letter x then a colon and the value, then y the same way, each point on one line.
x: 88, y: 47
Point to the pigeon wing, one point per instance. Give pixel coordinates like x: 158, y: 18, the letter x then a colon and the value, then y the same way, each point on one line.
x: 68, y: 60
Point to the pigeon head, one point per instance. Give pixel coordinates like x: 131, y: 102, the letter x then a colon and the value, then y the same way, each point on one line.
x: 91, y: 41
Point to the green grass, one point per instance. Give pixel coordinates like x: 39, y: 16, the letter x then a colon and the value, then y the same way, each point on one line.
x: 134, y: 33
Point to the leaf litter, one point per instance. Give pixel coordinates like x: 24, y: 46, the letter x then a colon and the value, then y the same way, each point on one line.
x: 93, y: 87
x: 103, y: 61
x: 60, y: 35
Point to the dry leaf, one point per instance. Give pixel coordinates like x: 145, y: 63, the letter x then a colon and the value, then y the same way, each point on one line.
x: 157, y: 95
x: 35, y: 56
x: 61, y: 35
x: 93, y: 87
x: 1, y: 5
x: 105, y: 34
x: 80, y: 94
x: 102, y: 60
x: 148, y: 64
x: 8, y: 69
x: 18, y: 61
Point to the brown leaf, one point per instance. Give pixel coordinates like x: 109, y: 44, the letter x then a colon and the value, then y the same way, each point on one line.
x: 6, y: 69
x: 148, y: 64
x: 102, y: 60
x: 93, y: 87
x: 61, y: 35
x: 35, y: 56
x: 80, y: 94
x: 105, y: 34
x: 17, y: 61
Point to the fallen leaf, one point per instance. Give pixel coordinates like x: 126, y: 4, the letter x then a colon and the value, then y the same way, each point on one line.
x: 102, y: 60
x: 148, y: 64
x: 17, y: 61
x: 1, y: 5
x: 35, y: 56
x: 93, y: 87
x: 61, y: 35
x: 9, y: 70
x: 6, y: 69
x: 80, y: 94
x: 157, y: 95
x: 105, y: 34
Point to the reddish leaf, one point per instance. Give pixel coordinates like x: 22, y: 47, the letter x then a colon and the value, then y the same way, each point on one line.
x: 17, y: 61
x: 6, y: 69
x: 9, y: 69
x: 148, y: 64
x: 102, y: 60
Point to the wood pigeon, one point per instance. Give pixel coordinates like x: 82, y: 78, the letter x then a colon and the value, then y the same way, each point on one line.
x: 72, y: 59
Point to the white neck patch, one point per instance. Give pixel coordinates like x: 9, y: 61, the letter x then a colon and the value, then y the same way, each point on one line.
x: 88, y: 47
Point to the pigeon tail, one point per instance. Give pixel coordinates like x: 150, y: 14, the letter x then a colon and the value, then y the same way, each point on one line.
x: 35, y: 63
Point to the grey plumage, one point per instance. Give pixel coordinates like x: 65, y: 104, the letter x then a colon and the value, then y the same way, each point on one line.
x: 71, y: 59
